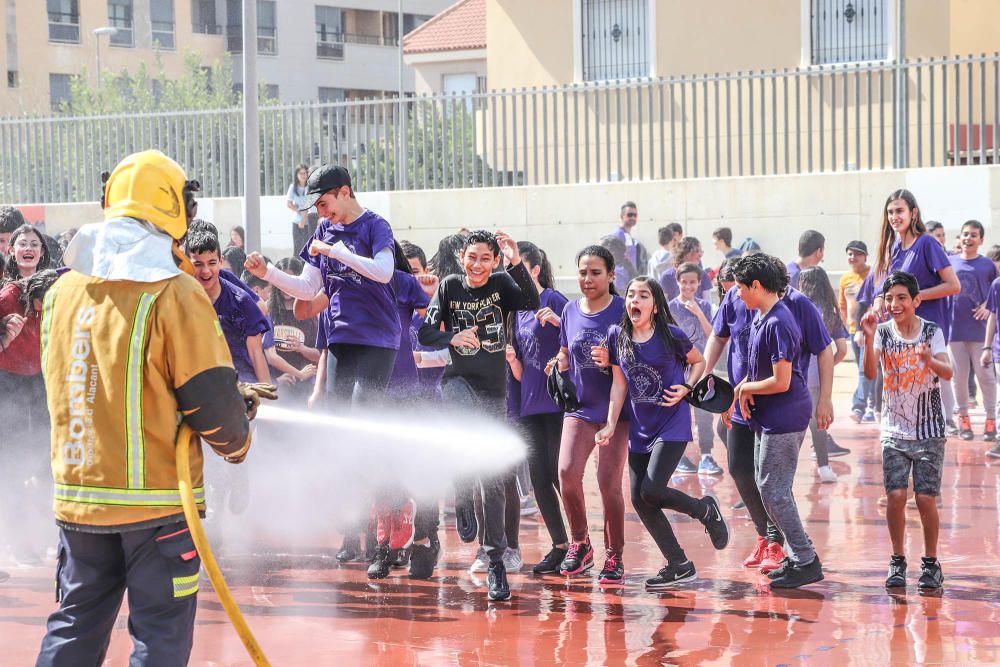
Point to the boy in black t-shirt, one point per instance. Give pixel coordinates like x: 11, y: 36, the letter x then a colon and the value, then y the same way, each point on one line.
x: 474, y: 309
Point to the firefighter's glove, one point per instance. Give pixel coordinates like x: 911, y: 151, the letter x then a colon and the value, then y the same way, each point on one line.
x: 252, y: 392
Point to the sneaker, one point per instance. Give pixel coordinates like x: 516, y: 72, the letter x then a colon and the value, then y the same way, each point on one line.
x: 465, y: 522
x: 990, y: 430
x: 401, y: 557
x: 826, y: 475
x: 401, y: 526
x: 528, y: 506
x: 756, y: 557
x: 379, y: 569
x: 512, y: 560
x: 783, y: 567
x: 774, y: 556
x: 800, y: 575
x: 835, y: 451
x: 740, y: 505
x: 897, y: 572
x: 671, y: 575
x: 482, y: 562
x: 686, y: 467
x: 613, y: 571
x: 931, y: 577
x: 715, y: 523
x: 857, y: 415
x: 550, y: 564
x: 348, y: 550
x: 708, y: 466
x: 579, y: 558
x: 950, y: 428
x: 424, y: 558
x: 497, y: 582
x: 965, y: 428
x: 995, y: 452
x: 869, y: 417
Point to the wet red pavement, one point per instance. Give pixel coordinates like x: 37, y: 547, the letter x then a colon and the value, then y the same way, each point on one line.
x: 308, y: 610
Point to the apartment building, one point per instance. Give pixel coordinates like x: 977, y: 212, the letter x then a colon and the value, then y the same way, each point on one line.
x: 327, y: 50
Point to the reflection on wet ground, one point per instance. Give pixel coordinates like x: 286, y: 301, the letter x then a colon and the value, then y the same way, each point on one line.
x: 307, y: 609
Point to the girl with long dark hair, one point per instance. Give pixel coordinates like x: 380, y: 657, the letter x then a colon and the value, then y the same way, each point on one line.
x: 26, y: 254
x: 534, y: 340
x: 651, y: 360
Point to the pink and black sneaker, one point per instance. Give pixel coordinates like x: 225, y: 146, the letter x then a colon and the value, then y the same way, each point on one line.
x: 579, y: 558
x: 613, y: 571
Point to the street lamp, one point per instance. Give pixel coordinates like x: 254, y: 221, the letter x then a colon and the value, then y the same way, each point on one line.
x: 105, y: 30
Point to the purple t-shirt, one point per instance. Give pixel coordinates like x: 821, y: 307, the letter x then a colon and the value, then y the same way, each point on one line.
x: 535, y: 345
x: 732, y: 321
x: 839, y: 332
x: 975, y: 275
x: 689, y: 323
x: 812, y: 330
x: 410, y: 297
x: 653, y: 367
x: 668, y: 281
x: 794, y: 270
x: 924, y: 259
x: 579, y: 332
x: 629, y: 241
x: 773, y: 338
x: 240, y: 318
x: 361, y: 311
x: 993, y: 304
x: 430, y: 378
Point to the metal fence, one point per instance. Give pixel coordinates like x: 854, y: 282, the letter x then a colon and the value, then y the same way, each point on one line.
x: 832, y: 118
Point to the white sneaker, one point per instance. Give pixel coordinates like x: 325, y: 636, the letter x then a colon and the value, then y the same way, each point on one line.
x: 826, y: 475
x: 482, y: 562
x: 512, y: 560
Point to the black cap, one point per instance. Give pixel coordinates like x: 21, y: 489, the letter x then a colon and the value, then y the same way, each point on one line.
x: 711, y: 394
x: 857, y: 246
x: 323, y: 179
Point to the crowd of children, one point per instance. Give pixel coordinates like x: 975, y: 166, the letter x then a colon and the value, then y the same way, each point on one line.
x: 360, y: 317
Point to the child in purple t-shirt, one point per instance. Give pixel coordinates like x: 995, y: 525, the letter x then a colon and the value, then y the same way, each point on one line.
x: 693, y: 315
x: 990, y: 357
x: 583, y: 356
x: 534, y: 341
x: 969, y: 314
x: 242, y: 322
x: 651, y: 359
x: 775, y: 398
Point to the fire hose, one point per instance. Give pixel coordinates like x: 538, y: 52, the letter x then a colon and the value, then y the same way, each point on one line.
x: 184, y: 436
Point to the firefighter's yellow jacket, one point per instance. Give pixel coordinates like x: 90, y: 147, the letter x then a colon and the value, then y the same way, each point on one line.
x: 124, y: 361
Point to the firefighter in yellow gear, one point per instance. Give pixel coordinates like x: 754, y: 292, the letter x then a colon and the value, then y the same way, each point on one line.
x: 131, y: 346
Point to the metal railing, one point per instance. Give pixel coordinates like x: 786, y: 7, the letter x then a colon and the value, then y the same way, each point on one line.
x: 940, y: 112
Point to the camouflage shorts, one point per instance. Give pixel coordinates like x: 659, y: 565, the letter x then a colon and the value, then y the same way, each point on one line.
x: 925, y: 457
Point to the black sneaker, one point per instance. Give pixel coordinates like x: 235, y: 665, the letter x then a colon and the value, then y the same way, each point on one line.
x: 579, y: 558
x: 613, y: 571
x: 424, y: 558
x: 833, y: 450
x: 671, y: 575
x: 800, y: 575
x: 550, y: 564
x: 786, y: 563
x: 497, y: 581
x: 931, y: 577
x: 348, y: 550
x: 715, y: 523
x: 897, y: 573
x: 379, y: 569
x: 686, y: 467
x: 994, y: 452
x: 465, y: 522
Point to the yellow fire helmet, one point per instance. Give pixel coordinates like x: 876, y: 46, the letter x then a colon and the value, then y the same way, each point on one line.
x: 150, y: 186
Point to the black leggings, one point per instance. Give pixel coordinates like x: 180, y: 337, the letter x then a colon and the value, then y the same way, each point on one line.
x: 741, y: 466
x: 648, y: 476
x: 357, y: 374
x: 543, y: 433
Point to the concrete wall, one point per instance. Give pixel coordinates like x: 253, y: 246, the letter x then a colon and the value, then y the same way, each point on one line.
x: 429, y: 76
x: 774, y: 210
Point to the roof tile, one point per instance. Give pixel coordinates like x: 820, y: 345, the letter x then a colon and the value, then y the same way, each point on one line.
x: 459, y: 27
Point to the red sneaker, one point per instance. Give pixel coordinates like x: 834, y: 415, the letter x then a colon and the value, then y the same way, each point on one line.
x: 401, y: 534
x: 990, y: 430
x: 757, y: 556
x: 773, y: 556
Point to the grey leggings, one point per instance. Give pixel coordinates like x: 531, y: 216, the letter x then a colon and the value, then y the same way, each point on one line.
x: 776, y: 457
x: 965, y: 358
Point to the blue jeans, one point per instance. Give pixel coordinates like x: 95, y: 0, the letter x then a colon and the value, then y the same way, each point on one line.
x: 863, y: 396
